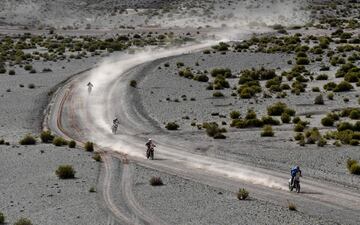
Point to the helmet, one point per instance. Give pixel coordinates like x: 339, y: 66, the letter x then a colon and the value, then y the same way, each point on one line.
x: 298, y: 167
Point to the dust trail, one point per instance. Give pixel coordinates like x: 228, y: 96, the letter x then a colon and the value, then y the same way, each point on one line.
x: 100, y: 113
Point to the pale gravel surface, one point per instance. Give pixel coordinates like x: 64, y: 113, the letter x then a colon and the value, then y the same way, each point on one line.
x: 29, y: 187
x: 156, y: 85
x: 181, y: 201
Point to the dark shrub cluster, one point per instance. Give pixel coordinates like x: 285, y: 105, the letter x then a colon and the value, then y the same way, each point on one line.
x: 224, y: 72
x: 156, y: 181
x: 172, y: 126
x: 267, y: 131
x: 353, y: 166
x: 279, y: 108
x: 59, y: 141
x: 89, y: 146
x: 65, y: 172
x: 28, y: 140
x: 213, y: 130
x: 46, y: 136
x: 23, y: 221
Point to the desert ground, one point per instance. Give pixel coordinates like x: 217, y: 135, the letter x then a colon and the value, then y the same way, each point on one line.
x: 233, y: 93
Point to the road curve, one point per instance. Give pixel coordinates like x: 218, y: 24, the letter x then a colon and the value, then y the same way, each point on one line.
x: 74, y: 113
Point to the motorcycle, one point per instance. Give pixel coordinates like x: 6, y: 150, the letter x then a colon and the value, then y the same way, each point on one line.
x: 150, y: 153
x: 114, y: 128
x: 296, y: 184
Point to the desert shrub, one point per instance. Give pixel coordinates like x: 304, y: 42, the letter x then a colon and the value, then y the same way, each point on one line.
x: 355, y: 114
x: 65, y: 172
x: 279, y: 108
x: 156, y: 181
x: 180, y: 64
x: 330, y: 86
x: 89, y: 146
x: 28, y: 140
x: 322, y: 77
x: 319, y: 100
x: 72, y: 144
x: 201, y: 78
x: 11, y: 72
x: 224, y: 72
x: 2, y: 218
x: 59, y: 141
x: 350, y: 162
x: 327, y: 121
x: 186, y: 72
x: 354, y: 142
x: 299, y: 136
x: 316, y: 89
x: 242, y: 194
x: 330, y: 96
x: 344, y: 126
x: 31, y: 86
x: 172, y: 126
x: 267, y: 131
x: 302, y: 61
x: 296, y: 120
x: 352, y: 77
x: 220, y: 83
x: 28, y: 67
x: 133, y: 83
x: 343, y: 86
x: 32, y: 71
x: 235, y: 115
x: 92, y: 190
x: 23, y: 221
x: 213, y: 129
x: 46, y: 136
x: 299, y: 127
x: 344, y: 136
x: 2, y: 141
x: 312, y: 136
x: 322, y: 142
x: 292, y: 206
x: 218, y: 94
x: 285, y: 118
x: 268, y: 120
x: 251, y: 114
x: 97, y: 157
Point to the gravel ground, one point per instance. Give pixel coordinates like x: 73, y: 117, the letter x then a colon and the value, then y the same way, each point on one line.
x: 28, y: 185
x: 163, y: 94
x: 181, y: 201
x: 30, y: 188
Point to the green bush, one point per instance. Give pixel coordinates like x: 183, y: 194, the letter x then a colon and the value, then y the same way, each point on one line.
x: 72, y: 144
x: 268, y: 120
x: 218, y: 94
x: 351, y: 162
x: 319, y: 100
x: 89, y: 146
x: 299, y: 127
x: 172, y: 126
x: 201, y: 78
x: 2, y: 218
x: 235, y: 115
x: 28, y: 140
x: 242, y: 194
x: 327, y: 121
x: 322, y: 77
x: 156, y: 181
x: 354, y: 142
x: 11, y: 72
x: 28, y: 67
x: 23, y: 221
x: 302, y: 61
x: 344, y: 126
x: 224, y: 72
x: 59, y: 141
x: 299, y: 137
x: 279, y: 108
x: 330, y: 96
x: 285, y: 118
x: 46, y: 136
x: 355, y: 114
x: 65, y: 172
x: 213, y: 130
x: 133, y: 83
x: 97, y: 157
x: 267, y: 131
x: 343, y: 86
x: 322, y: 142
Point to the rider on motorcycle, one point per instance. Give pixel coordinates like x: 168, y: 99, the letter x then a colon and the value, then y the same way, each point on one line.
x: 116, y: 121
x: 295, y: 172
x: 150, y: 147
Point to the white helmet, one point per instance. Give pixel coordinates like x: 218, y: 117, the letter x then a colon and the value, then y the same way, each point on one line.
x: 149, y: 139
